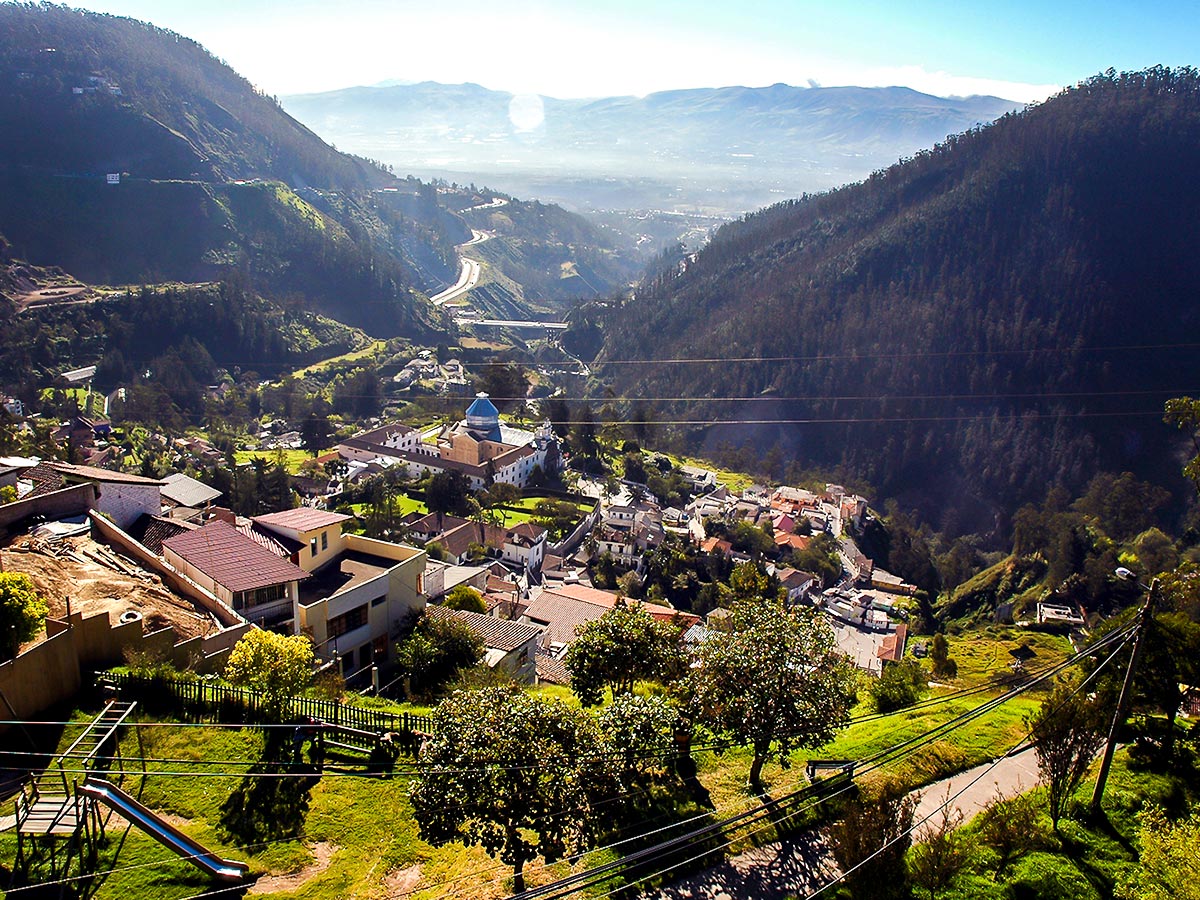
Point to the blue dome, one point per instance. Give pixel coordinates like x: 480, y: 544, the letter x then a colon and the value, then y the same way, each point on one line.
x: 483, y: 414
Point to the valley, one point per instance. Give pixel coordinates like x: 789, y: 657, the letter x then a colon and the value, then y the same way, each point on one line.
x: 775, y: 467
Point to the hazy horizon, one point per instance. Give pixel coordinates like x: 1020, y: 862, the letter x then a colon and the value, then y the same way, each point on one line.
x: 1019, y: 50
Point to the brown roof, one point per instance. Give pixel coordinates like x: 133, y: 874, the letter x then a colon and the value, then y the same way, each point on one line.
x: 458, y: 541
x: 496, y: 634
x: 552, y: 670
x: 302, y: 518
x: 892, y: 648
x: 45, y: 478
x: 231, y: 559
x: 151, y: 531
x: 279, y: 544
x: 561, y: 615
x: 91, y: 473
x: 526, y: 534
x: 433, y: 523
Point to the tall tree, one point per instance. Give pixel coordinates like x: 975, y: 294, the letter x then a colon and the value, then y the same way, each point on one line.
x: 1067, y: 731
x: 475, y: 785
x: 623, y: 646
x: 774, y: 681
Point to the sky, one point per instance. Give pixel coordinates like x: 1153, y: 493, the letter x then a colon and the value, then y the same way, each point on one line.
x: 1021, y: 50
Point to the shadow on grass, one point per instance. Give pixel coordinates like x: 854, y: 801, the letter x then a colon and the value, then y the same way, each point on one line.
x: 272, y: 800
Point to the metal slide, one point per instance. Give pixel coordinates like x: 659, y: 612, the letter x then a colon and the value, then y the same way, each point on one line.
x: 166, y: 834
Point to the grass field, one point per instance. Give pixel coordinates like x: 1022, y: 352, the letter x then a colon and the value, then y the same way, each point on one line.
x: 346, y: 834
x: 292, y: 459
x: 353, y: 356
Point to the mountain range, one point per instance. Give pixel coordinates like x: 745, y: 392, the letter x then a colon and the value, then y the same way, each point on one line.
x: 719, y: 150
x: 1002, y: 313
x: 130, y: 155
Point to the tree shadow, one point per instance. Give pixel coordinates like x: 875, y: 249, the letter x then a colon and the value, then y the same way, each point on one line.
x: 272, y: 800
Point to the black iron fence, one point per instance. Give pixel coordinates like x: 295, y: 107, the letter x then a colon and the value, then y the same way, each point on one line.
x: 200, y: 700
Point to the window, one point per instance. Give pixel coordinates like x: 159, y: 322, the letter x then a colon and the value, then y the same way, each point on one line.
x: 324, y: 540
x: 259, y: 596
x: 312, y: 546
x: 348, y: 621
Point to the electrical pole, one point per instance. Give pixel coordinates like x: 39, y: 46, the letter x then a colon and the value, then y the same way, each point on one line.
x: 1123, y: 700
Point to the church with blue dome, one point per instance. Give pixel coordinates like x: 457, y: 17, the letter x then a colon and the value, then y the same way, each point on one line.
x: 480, y: 446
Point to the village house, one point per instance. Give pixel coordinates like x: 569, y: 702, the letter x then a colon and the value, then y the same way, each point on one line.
x: 509, y: 647
x: 560, y: 609
x: 121, y: 497
x: 256, y: 583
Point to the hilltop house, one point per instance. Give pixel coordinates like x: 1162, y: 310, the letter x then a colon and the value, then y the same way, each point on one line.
x: 360, y: 591
x: 296, y: 569
x: 256, y: 583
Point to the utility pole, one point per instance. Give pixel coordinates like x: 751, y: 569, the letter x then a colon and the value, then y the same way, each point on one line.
x: 1123, y: 700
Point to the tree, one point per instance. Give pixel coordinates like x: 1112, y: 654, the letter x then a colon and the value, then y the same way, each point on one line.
x: 22, y: 612
x: 870, y: 840
x: 775, y: 681
x: 623, y: 646
x: 944, y: 665
x: 448, y: 492
x: 638, y: 733
x: 1009, y: 826
x: 1067, y: 731
x: 1184, y: 414
x: 474, y: 787
x: 465, y: 597
x: 1168, y: 868
x: 942, y: 852
x: 437, y: 650
x: 272, y: 665
x: 315, y: 433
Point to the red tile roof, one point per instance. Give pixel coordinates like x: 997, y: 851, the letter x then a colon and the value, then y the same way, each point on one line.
x: 302, y: 518
x: 231, y: 559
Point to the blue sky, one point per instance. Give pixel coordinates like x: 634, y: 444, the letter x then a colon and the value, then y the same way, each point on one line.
x: 1018, y: 49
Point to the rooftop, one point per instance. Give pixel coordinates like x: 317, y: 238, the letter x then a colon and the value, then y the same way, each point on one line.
x: 496, y: 634
x: 302, y: 518
x: 349, y: 570
x: 231, y: 559
x: 187, y: 491
x: 91, y: 473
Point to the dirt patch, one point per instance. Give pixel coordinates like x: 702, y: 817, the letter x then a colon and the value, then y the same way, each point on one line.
x: 85, y: 571
x: 270, y: 884
x: 401, y: 881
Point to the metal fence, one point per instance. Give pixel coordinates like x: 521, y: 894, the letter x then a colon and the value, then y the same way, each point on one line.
x: 201, y: 699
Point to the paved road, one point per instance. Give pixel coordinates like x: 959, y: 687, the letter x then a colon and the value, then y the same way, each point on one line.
x: 804, y: 862
x: 468, y: 274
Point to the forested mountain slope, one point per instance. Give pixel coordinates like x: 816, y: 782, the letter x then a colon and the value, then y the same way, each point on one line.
x: 990, y: 317
x: 215, y: 180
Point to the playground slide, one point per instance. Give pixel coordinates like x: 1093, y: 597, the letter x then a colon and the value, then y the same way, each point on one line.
x: 166, y: 834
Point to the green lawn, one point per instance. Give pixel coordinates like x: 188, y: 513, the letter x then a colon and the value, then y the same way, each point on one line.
x: 292, y: 459
x: 404, y: 505
x: 370, y: 350
x: 91, y: 403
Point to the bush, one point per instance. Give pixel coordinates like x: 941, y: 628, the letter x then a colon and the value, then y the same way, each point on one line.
x: 899, y: 685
